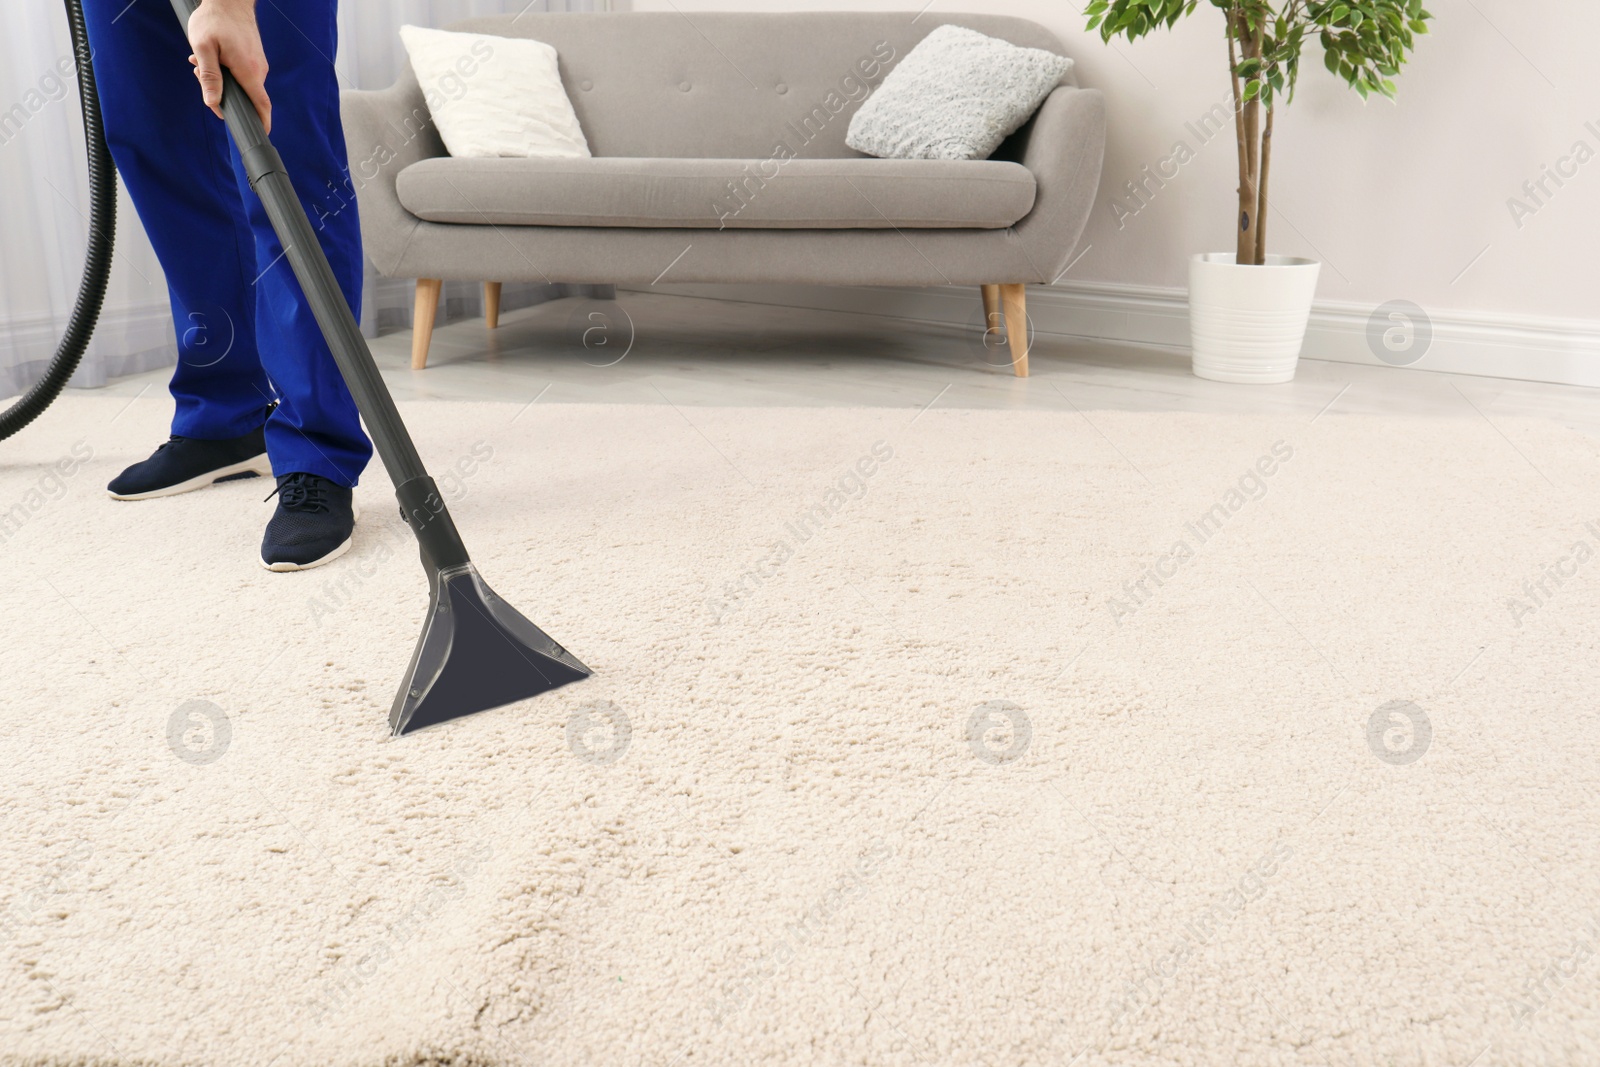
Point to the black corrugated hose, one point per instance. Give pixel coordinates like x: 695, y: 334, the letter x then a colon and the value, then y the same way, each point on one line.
x: 97, y: 263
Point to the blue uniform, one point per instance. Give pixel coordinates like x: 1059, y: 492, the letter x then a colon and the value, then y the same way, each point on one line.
x: 245, y: 335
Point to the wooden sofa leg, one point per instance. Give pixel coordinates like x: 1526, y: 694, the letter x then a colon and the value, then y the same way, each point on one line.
x: 422, y: 316
x: 991, y: 308
x: 1015, y: 299
x: 491, y: 304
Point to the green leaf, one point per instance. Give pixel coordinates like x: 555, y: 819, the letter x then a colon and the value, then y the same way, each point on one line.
x: 1365, y: 43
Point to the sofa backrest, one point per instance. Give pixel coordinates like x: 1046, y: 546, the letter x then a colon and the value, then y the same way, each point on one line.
x: 730, y: 84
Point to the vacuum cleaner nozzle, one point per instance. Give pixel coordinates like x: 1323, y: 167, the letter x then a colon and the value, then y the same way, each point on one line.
x: 476, y: 652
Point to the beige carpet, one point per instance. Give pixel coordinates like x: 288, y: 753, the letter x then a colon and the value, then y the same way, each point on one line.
x: 979, y: 738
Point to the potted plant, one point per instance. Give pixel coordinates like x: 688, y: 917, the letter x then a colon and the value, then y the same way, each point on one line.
x: 1248, y: 310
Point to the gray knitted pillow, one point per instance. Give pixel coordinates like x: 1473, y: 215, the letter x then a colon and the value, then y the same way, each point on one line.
x: 956, y: 95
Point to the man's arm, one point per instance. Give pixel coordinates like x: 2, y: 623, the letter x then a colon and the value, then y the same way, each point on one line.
x: 223, y: 33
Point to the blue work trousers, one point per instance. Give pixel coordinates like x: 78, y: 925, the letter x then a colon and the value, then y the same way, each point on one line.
x: 245, y: 335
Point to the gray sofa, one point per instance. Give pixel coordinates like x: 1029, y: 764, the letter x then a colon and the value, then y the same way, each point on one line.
x: 720, y: 157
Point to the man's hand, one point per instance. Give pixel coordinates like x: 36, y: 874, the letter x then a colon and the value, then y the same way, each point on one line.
x: 223, y: 33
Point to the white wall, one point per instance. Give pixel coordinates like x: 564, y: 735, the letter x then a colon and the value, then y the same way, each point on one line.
x: 1400, y: 201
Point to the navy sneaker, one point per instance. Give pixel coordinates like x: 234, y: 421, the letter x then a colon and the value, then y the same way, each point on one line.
x: 186, y: 463
x: 312, y: 525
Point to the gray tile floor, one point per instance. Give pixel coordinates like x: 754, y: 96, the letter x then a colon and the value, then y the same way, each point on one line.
x: 653, y: 348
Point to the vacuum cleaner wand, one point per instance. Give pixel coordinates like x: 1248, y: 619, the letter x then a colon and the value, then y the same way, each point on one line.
x: 476, y: 651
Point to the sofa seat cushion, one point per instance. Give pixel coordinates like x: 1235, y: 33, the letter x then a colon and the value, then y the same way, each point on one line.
x: 720, y: 193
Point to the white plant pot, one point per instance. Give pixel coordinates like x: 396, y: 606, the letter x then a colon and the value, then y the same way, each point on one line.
x: 1246, y: 324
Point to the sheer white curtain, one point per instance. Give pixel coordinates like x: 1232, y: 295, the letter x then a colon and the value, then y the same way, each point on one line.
x: 44, y: 194
x: 44, y: 203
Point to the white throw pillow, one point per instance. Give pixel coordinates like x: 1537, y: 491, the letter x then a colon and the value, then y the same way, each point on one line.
x: 956, y: 95
x: 495, y: 96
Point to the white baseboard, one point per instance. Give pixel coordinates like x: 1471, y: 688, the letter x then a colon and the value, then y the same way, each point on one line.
x: 387, y: 303
x: 1494, y: 345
